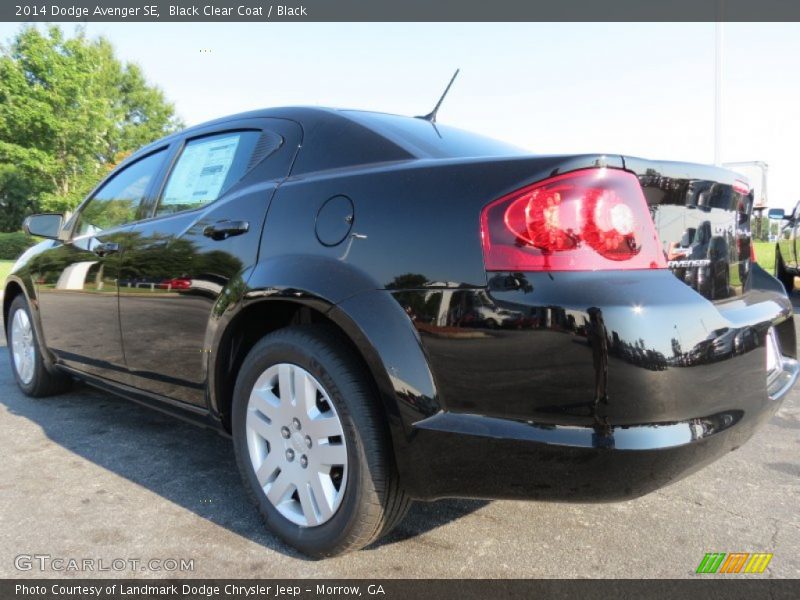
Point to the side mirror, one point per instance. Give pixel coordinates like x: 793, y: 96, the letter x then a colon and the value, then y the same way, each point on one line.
x: 44, y: 225
x: 776, y: 213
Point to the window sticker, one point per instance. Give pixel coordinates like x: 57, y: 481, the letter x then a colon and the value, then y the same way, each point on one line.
x: 201, y: 172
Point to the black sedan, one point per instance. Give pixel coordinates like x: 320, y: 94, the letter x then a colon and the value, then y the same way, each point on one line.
x: 380, y: 308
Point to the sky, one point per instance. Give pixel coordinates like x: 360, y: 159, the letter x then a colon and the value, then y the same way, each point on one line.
x: 643, y: 89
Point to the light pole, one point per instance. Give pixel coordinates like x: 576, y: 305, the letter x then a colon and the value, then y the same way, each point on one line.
x: 718, y: 48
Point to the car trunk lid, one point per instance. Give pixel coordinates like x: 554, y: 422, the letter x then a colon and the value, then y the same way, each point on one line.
x: 702, y: 215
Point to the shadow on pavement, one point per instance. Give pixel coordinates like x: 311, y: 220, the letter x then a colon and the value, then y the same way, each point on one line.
x: 425, y: 516
x: 187, y: 465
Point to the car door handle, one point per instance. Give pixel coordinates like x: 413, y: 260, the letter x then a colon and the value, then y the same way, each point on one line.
x: 222, y: 230
x: 105, y: 249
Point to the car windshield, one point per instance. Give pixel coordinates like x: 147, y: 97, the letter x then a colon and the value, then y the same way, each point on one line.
x: 428, y: 140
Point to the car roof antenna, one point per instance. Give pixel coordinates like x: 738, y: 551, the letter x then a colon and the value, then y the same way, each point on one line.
x: 431, y: 116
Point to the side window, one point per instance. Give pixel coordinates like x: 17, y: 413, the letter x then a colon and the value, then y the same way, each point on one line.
x: 117, y: 201
x: 207, y: 168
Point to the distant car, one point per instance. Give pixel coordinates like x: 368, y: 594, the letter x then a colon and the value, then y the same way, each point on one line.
x: 308, y: 281
x: 177, y: 283
x: 482, y: 311
x: 787, y: 252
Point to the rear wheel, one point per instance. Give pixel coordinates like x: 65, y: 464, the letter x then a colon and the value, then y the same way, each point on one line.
x: 783, y: 275
x: 311, y: 443
x: 32, y: 376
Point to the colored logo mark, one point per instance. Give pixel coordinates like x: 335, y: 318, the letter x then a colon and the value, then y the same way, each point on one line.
x: 735, y: 562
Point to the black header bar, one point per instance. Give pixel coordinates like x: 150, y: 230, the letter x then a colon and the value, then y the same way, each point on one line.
x: 398, y: 10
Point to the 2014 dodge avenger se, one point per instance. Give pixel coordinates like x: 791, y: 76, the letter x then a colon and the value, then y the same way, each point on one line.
x: 380, y: 308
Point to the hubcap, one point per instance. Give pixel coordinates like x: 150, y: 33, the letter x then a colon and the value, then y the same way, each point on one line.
x: 296, y: 445
x: 22, y: 346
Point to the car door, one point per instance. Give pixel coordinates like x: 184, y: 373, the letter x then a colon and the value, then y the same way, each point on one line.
x: 191, y: 256
x: 77, y: 280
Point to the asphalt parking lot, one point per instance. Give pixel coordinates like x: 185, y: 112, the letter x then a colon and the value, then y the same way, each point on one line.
x: 88, y: 475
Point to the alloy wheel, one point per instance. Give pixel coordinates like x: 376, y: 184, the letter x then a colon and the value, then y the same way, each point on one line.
x: 296, y: 445
x: 22, y: 346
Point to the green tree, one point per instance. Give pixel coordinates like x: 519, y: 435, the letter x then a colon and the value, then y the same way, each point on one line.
x: 69, y: 112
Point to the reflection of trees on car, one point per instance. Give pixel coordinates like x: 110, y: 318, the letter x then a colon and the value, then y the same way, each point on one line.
x: 167, y: 258
x: 417, y: 306
x: 99, y: 216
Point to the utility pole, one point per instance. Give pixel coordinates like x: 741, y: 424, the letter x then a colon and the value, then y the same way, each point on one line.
x: 718, y: 64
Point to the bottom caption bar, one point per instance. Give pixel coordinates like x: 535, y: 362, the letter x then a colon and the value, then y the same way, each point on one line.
x: 438, y: 589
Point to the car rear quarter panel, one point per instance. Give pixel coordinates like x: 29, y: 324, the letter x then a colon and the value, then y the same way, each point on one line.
x: 415, y: 222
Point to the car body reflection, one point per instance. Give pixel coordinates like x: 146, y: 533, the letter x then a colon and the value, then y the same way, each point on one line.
x: 705, y: 229
x: 591, y: 353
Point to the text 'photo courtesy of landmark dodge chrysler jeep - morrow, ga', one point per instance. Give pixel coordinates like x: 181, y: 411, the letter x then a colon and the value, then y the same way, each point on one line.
x: 380, y: 309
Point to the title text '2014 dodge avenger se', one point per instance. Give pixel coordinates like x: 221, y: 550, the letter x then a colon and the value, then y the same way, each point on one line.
x: 380, y: 308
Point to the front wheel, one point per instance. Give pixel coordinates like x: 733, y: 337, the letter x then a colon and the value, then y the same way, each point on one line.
x: 29, y: 369
x: 783, y: 275
x: 311, y: 443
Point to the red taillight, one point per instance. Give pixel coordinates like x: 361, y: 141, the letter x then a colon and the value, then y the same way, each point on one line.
x: 593, y: 219
x: 752, y: 252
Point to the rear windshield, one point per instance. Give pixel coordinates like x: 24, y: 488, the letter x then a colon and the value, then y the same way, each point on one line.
x: 426, y: 140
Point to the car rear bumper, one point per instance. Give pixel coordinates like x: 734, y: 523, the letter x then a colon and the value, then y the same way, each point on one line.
x: 606, y: 386
x: 488, y: 457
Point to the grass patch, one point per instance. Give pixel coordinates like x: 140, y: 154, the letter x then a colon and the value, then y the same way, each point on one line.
x: 765, y: 255
x: 5, y: 269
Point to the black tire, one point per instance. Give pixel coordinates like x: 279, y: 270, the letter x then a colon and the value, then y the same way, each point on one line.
x: 43, y: 383
x: 783, y: 275
x: 373, y: 502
